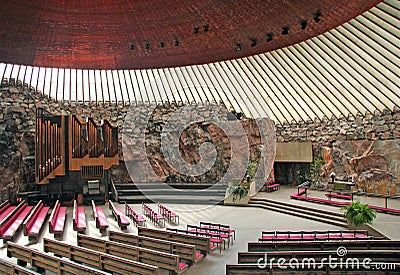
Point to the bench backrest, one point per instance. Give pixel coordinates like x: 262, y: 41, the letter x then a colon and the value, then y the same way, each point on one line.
x: 30, y: 220
x: 10, y: 218
x: 185, y: 251
x: 53, y: 215
x: 99, y: 260
x: 10, y: 268
x: 201, y: 243
x: 322, y: 268
x: 50, y: 262
x: 149, y: 256
x: 318, y: 256
x: 94, y: 211
x: 4, y: 205
x: 321, y: 245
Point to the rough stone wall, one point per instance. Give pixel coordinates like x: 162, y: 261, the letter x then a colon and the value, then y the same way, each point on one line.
x: 363, y: 147
x: 17, y: 130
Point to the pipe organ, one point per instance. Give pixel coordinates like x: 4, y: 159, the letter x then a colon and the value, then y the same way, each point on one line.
x: 71, y: 151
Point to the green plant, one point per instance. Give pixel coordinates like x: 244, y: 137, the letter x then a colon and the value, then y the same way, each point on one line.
x: 252, y: 167
x: 240, y: 191
x: 315, y: 166
x: 358, y: 214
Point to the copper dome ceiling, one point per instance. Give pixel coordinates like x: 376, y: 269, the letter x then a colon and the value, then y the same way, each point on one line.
x: 121, y: 34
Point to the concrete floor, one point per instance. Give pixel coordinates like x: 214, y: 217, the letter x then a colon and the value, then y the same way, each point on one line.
x: 248, y: 222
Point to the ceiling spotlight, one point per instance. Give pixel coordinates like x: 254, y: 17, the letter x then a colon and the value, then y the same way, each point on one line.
x: 285, y: 30
x: 253, y: 42
x: 196, y: 29
x: 177, y: 43
x: 303, y: 24
x: 317, y: 16
x: 162, y: 44
x: 206, y: 28
x: 270, y: 35
x: 238, y: 47
x: 147, y: 43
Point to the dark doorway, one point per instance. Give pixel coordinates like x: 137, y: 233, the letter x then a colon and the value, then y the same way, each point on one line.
x: 291, y: 173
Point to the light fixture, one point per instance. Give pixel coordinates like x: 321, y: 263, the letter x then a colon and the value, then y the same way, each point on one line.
x: 303, y: 24
x: 317, y: 16
x: 238, y: 47
x: 270, y: 36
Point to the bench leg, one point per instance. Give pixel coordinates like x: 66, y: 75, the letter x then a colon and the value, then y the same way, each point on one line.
x: 21, y: 262
x: 40, y: 270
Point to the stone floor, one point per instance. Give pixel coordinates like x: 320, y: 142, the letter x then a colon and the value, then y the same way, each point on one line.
x: 248, y: 222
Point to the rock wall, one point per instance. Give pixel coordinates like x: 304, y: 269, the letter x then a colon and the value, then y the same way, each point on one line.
x: 364, y: 147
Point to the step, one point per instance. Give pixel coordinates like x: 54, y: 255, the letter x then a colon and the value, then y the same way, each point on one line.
x: 311, y: 216
x: 172, y: 192
x: 172, y: 199
x: 302, y: 207
x: 305, y: 212
x: 183, y: 186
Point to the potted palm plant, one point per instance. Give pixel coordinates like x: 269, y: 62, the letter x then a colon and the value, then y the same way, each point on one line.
x: 237, y: 193
x: 358, y: 214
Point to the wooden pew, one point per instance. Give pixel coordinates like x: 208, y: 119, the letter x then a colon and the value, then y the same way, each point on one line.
x: 163, y: 260
x: 12, y: 223
x: 99, y: 260
x: 99, y: 218
x: 79, y: 218
x: 57, y: 220
x: 6, y: 210
x: 389, y: 256
x: 213, y: 234
x: 223, y: 227
x: 321, y: 269
x: 119, y: 216
x: 34, y: 222
x: 184, y: 251
x: 202, y: 244
x: 8, y: 268
x: 4, y: 205
x: 44, y: 261
x: 322, y: 245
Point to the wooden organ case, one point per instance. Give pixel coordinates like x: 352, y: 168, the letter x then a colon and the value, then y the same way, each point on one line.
x: 73, y: 157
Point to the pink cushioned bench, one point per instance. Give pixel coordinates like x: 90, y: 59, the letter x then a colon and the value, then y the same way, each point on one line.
x: 7, y: 209
x: 119, y: 216
x: 279, y: 236
x: 271, y: 186
x: 338, y: 196
x: 34, y: 223
x: 137, y: 218
x: 79, y: 218
x: 100, y: 219
x: 57, y: 220
x: 13, y: 222
x: 223, y: 228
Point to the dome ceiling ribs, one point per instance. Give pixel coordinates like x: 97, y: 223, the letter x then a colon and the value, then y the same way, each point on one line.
x: 350, y: 68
